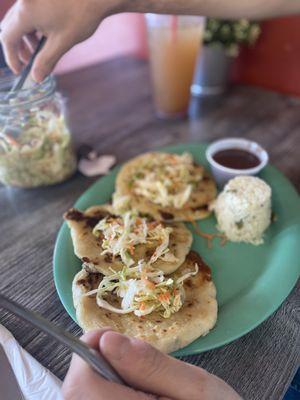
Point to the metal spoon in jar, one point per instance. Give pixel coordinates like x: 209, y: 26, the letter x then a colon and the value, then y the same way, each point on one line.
x: 18, y: 85
x: 26, y: 71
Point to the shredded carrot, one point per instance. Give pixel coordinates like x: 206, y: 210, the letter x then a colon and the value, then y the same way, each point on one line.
x: 148, y: 283
x: 172, y: 159
x: 142, y: 306
x: 131, y: 249
x: 161, y: 297
x: 11, y: 140
x: 164, y: 296
x: 153, y: 224
x: 209, y: 236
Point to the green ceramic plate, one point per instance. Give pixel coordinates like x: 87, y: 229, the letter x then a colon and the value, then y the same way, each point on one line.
x: 251, y: 281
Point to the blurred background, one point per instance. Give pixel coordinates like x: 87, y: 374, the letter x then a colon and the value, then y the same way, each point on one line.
x: 273, y: 62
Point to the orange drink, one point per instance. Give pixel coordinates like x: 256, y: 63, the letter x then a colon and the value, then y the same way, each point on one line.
x: 174, y: 44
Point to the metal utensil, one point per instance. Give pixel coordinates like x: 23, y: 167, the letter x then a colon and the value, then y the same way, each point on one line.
x: 10, y: 389
x: 91, y: 356
x: 17, y: 86
x: 26, y: 71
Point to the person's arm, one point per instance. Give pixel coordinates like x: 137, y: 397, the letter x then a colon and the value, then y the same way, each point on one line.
x: 153, y: 375
x: 231, y: 9
x: 68, y: 22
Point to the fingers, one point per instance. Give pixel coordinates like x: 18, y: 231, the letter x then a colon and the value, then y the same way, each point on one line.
x: 82, y: 382
x: 11, y: 38
x: 92, y: 339
x: 151, y: 370
x: 16, y: 44
x: 54, y: 48
x: 147, y: 369
x: 144, y: 368
x: 11, y: 53
x: 17, y: 51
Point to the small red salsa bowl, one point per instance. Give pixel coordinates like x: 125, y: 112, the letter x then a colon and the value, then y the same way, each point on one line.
x: 233, y: 157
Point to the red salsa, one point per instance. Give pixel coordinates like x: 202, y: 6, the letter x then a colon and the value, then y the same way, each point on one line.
x: 236, y: 159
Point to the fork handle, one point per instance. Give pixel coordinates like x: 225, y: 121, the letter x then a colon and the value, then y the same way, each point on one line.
x: 88, y: 354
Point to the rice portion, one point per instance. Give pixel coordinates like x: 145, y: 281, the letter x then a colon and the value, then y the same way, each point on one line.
x: 243, y: 209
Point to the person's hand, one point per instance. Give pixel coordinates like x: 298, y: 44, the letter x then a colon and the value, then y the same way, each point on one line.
x: 151, y: 374
x: 63, y: 22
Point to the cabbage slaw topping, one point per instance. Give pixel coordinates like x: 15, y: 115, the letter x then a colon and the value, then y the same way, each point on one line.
x: 142, y: 290
x: 167, y: 180
x: 121, y: 235
x: 121, y: 203
x: 41, y: 154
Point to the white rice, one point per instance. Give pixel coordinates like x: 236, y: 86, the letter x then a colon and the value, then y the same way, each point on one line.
x: 243, y: 209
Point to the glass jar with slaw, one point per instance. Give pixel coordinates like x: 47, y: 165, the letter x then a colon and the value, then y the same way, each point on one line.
x: 35, y: 141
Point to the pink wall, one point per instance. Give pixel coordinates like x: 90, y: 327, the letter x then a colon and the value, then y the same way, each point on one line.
x: 117, y: 35
x: 4, y: 5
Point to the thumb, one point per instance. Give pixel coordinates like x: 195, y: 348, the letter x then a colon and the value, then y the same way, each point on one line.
x: 149, y: 370
x: 54, y: 48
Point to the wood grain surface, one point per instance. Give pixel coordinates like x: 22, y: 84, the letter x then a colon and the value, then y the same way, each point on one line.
x: 110, y: 108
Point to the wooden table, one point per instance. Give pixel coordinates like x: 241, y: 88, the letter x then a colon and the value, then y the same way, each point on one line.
x: 110, y: 107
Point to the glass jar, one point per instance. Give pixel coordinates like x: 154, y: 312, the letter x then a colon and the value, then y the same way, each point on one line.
x: 35, y: 141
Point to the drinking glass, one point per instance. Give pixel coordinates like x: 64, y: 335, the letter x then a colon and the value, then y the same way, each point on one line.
x: 174, y: 44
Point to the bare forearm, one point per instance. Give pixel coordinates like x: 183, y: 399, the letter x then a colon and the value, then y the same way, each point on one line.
x: 252, y: 9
